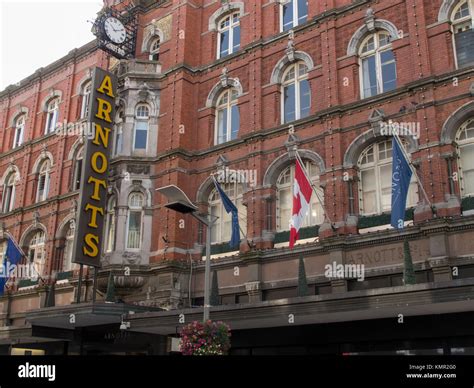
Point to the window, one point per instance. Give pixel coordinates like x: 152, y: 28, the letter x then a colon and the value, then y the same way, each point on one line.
x: 228, y: 41
x: 119, y: 122
x: 293, y: 13
x: 86, y: 97
x: 78, y: 169
x: 379, y: 71
x: 296, y: 93
x: 141, y: 127
x: 43, y: 181
x: 285, y: 181
x: 228, y: 117
x: 52, y: 113
x: 67, y: 258
x: 110, y: 243
x: 465, y: 143
x: 9, y: 193
x: 36, y: 251
x: 3, y: 251
x: 375, y: 192
x: 463, y: 28
x: 155, y: 50
x: 222, y: 228
x: 19, y: 131
x: 136, y: 202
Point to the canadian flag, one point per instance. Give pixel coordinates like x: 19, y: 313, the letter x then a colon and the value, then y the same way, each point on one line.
x: 302, y: 192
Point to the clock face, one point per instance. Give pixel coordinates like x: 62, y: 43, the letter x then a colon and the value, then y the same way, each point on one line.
x: 115, y: 30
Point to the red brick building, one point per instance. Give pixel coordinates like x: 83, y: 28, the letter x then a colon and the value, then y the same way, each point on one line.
x: 223, y: 85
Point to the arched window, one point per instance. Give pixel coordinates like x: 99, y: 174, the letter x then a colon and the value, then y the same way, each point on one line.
x: 136, y: 202
x: 465, y: 143
x: 19, y: 131
x: 52, y: 113
x: 375, y: 190
x: 293, y: 13
x: 69, y: 242
x: 222, y: 228
x: 296, y: 93
x: 229, y: 35
x: 285, y: 182
x: 8, y: 202
x: 463, y: 28
x: 227, y: 117
x: 155, y: 49
x: 142, y: 117
x: 86, y: 97
x: 110, y: 223
x: 119, y: 122
x: 378, y: 67
x: 78, y: 162
x: 36, y: 251
x: 43, y: 181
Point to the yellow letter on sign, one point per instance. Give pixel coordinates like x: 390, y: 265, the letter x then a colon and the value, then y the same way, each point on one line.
x: 92, y: 242
x: 106, y: 85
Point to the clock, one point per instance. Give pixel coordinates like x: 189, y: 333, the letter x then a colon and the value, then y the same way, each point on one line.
x: 115, y: 30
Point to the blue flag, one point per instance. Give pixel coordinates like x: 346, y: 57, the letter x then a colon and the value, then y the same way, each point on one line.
x: 12, y: 257
x: 230, y: 208
x: 401, y: 176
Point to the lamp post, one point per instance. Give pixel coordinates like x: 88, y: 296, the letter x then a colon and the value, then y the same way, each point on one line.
x: 179, y: 202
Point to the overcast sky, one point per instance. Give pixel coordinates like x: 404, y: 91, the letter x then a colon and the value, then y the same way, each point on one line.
x: 34, y: 33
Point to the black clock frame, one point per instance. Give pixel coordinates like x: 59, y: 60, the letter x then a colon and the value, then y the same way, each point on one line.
x: 129, y: 19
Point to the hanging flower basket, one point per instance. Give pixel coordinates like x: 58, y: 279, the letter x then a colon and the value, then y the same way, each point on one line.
x: 205, y: 339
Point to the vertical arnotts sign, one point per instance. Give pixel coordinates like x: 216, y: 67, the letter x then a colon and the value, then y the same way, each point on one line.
x: 93, y: 192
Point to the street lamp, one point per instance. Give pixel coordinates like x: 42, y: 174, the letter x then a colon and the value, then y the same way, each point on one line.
x: 179, y: 202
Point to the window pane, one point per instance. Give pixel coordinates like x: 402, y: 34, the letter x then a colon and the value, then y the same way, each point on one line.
x: 369, y: 76
x: 305, y: 98
x: 224, y: 43
x: 214, y: 231
x: 467, y: 164
x: 222, y: 126
x: 236, y: 42
x: 302, y: 11
x: 386, y: 186
x: 389, y: 71
x: 118, y: 142
x: 235, y: 122
x: 288, y: 16
x: 134, y: 227
x: 465, y: 47
x: 141, y: 134
x: 289, y: 103
x: 369, y: 198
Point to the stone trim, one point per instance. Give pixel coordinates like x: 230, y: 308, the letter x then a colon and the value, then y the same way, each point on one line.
x: 283, y: 63
x: 224, y: 84
x: 446, y: 9
x: 454, y: 122
x: 363, y: 31
x: 283, y: 161
x: 364, y: 140
x: 226, y: 8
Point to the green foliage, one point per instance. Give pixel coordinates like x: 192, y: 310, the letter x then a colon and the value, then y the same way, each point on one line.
x: 110, y: 295
x: 302, y: 289
x: 214, y: 299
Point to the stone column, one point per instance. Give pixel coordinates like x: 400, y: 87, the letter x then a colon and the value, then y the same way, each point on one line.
x: 439, y: 258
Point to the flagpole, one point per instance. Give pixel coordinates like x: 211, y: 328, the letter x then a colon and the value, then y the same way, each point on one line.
x: 412, y: 168
x: 314, y: 188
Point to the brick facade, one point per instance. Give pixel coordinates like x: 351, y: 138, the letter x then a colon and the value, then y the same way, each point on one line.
x: 430, y: 91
